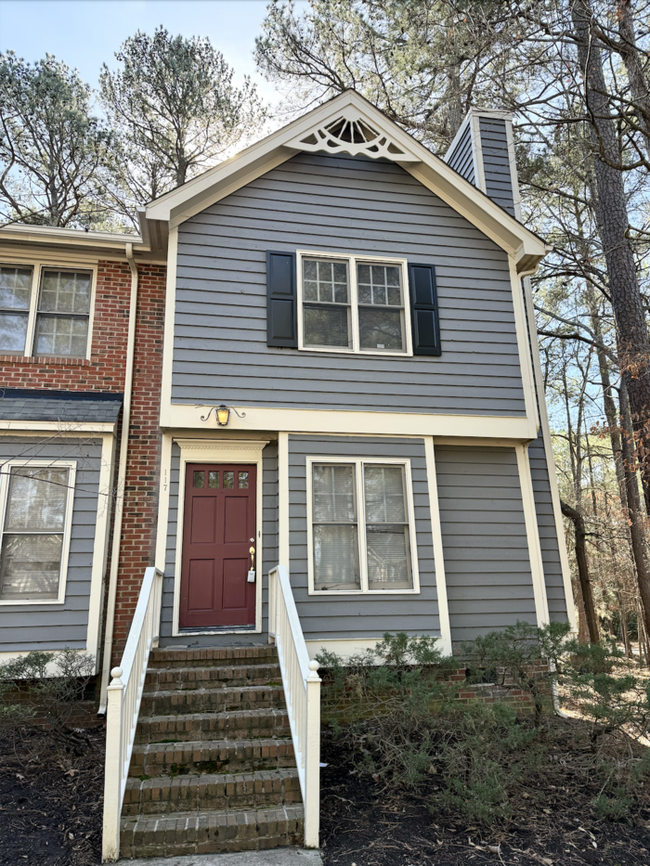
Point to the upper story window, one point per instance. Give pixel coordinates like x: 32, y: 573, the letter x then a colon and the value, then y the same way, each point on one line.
x: 35, y: 531
x: 44, y: 310
x: 353, y: 304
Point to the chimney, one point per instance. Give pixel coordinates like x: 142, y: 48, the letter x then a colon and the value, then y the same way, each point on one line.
x: 483, y: 152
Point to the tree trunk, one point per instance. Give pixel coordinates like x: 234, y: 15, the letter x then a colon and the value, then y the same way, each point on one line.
x: 611, y: 210
x: 583, y: 570
x: 639, y: 90
x: 634, y: 510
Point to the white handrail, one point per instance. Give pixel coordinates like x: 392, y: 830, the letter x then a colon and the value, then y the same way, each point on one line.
x: 124, y: 698
x: 302, y: 693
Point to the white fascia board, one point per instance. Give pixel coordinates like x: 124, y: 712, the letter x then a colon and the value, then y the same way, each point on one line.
x: 229, y: 176
x: 58, y: 427
x: 350, y: 422
x: 75, y: 237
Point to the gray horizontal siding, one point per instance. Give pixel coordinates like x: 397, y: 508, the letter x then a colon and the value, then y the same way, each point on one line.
x: 54, y: 626
x: 269, y: 552
x: 557, y: 606
x: 487, y: 564
x: 496, y: 162
x: 360, y: 617
x: 461, y: 159
x: 348, y: 205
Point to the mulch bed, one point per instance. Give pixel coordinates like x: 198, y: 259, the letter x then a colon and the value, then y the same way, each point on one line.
x: 553, y: 823
x: 51, y: 800
x: 51, y: 812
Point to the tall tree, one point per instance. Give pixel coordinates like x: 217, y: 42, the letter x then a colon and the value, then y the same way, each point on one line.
x: 53, y: 152
x: 422, y: 63
x: 176, y: 109
x: 614, y: 223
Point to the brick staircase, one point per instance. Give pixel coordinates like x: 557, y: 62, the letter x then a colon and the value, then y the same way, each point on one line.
x: 213, y: 767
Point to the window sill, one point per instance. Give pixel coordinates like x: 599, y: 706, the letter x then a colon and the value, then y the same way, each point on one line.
x: 355, y: 354
x: 30, y: 602
x: 45, y: 360
x: 330, y: 592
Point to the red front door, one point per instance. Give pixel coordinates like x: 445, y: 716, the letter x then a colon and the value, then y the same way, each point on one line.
x: 218, y: 533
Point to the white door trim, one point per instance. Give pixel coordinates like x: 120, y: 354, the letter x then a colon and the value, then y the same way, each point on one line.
x: 219, y: 451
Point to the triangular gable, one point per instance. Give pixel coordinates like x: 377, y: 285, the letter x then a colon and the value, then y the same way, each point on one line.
x: 349, y: 124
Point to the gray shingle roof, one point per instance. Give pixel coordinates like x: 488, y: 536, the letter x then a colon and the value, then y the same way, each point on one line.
x: 64, y: 406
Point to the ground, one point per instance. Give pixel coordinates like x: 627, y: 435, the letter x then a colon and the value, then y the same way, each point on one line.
x: 51, y: 813
x: 50, y: 801
x: 553, y: 823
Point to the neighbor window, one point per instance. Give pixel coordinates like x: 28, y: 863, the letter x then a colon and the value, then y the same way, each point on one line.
x: 35, y: 531
x: 353, y: 304
x: 44, y: 311
x: 361, y: 535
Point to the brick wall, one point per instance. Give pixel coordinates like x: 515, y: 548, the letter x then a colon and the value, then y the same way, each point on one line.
x: 105, y: 372
x: 143, y: 465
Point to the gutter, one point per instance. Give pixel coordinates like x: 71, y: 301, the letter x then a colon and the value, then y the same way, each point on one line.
x: 121, y: 481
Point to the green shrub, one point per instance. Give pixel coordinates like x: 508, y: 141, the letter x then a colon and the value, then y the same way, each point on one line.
x: 47, y: 686
x: 395, y: 707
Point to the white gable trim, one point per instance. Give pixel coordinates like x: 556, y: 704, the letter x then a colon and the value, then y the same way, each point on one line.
x: 195, y: 196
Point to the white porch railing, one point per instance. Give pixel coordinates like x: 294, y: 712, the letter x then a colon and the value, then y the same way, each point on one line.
x: 124, y: 697
x: 302, y: 693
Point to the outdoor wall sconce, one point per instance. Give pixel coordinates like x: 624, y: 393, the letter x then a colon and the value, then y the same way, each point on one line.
x: 222, y: 414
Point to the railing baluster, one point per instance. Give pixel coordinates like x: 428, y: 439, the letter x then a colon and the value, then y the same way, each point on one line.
x: 124, y: 698
x: 302, y: 692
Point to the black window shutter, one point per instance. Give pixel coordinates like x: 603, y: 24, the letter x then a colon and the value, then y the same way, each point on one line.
x: 281, y: 300
x: 424, y: 310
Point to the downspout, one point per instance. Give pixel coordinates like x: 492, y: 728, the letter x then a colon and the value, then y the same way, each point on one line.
x: 121, y: 482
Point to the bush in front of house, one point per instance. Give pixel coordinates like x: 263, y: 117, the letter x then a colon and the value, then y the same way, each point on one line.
x: 44, y: 688
x: 403, y: 711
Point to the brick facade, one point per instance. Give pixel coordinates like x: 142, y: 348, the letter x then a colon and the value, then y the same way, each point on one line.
x: 105, y: 372
x: 143, y: 467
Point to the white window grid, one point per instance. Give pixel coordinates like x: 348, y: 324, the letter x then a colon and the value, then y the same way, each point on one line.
x: 37, y: 268
x: 5, y: 475
x: 352, y: 260
x: 359, y: 463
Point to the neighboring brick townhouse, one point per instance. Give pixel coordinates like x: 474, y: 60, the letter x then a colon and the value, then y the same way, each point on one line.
x: 81, y: 339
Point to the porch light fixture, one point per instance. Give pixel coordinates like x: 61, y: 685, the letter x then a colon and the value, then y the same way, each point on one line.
x: 222, y: 414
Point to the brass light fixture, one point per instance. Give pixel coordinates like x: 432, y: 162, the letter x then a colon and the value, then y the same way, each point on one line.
x: 221, y: 414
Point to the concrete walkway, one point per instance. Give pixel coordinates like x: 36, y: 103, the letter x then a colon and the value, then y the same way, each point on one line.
x: 272, y: 857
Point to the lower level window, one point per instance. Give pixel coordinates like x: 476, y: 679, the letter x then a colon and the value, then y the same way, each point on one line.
x: 361, y: 534
x: 35, y: 530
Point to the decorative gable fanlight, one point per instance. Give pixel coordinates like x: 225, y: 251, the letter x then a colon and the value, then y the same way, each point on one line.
x: 350, y: 132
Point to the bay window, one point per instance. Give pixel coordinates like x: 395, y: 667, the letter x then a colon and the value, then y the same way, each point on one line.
x: 361, y: 531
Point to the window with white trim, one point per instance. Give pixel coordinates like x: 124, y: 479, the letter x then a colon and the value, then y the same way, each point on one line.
x: 36, y: 524
x: 354, y: 304
x: 362, y: 530
x: 44, y: 310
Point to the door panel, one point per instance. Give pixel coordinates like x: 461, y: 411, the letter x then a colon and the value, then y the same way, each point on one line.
x: 218, y: 527
x: 235, y: 521
x: 204, y: 520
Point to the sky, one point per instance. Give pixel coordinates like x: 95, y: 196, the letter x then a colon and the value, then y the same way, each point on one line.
x: 86, y: 33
